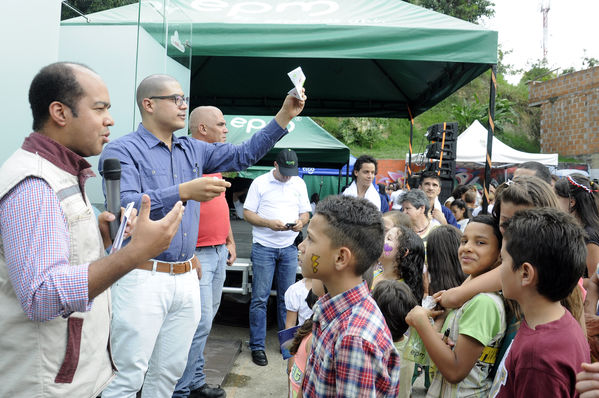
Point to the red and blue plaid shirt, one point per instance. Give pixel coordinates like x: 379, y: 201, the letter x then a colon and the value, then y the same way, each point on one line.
x: 35, y: 237
x: 353, y: 354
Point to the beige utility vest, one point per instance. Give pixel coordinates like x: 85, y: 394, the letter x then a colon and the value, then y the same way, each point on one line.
x: 63, y: 357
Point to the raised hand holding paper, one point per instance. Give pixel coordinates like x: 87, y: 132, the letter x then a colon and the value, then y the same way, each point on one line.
x: 297, y: 78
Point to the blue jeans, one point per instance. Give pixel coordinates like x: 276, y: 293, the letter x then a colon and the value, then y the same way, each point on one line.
x: 266, y: 262
x: 214, y: 262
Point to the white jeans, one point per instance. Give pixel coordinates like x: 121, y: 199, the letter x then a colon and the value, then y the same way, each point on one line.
x: 154, y: 318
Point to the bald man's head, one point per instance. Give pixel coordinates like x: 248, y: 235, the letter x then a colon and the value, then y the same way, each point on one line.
x: 150, y: 86
x: 207, y: 123
x: 201, y: 115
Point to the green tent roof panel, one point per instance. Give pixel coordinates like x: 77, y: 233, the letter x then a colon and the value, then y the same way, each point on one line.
x: 361, y: 57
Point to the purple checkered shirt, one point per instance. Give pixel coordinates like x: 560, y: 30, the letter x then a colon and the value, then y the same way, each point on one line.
x: 353, y: 354
x: 35, y: 236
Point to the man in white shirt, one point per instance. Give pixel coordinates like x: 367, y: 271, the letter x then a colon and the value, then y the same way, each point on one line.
x: 277, y: 206
x: 365, y: 170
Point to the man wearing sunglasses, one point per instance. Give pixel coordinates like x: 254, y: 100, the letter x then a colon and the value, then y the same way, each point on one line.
x: 157, y: 307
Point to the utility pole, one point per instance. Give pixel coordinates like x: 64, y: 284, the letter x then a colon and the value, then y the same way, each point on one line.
x: 545, y: 7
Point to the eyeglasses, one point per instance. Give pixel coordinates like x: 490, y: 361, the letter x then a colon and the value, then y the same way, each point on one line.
x: 179, y: 99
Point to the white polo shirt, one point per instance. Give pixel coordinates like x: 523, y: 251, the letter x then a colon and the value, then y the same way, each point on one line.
x: 276, y: 200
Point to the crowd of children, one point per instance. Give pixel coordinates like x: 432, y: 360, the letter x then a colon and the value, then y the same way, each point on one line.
x: 507, y: 294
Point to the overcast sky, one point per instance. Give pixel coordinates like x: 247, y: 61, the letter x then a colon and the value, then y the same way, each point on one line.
x: 572, y: 30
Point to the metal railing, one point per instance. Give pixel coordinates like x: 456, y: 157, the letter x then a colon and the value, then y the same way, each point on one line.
x: 244, y: 265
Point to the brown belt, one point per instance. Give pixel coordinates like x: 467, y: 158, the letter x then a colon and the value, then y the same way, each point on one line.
x: 171, y: 268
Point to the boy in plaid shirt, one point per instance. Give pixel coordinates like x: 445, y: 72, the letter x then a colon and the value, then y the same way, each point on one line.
x: 353, y: 353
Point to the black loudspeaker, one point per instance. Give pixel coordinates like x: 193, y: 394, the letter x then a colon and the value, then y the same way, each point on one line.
x: 446, y: 169
x: 435, y: 132
x: 442, y: 150
x: 434, y: 150
x: 446, y: 189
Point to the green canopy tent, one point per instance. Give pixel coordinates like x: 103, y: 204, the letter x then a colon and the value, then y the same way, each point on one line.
x: 361, y: 57
x: 315, y: 148
x: 382, y: 58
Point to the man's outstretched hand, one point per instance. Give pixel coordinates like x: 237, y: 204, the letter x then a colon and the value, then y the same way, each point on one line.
x: 151, y: 238
x: 291, y: 108
x: 202, y: 189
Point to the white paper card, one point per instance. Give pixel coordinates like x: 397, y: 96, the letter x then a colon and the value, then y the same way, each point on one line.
x: 293, y: 92
x: 118, y: 240
x: 297, y: 78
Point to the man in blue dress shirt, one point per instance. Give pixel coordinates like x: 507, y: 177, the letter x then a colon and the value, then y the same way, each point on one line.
x: 156, y: 308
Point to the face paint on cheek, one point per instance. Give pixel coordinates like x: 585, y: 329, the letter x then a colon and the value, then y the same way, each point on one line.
x: 315, y: 263
x: 387, y: 249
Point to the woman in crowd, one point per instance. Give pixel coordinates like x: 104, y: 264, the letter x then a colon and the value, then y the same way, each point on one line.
x: 416, y: 205
x: 579, y: 196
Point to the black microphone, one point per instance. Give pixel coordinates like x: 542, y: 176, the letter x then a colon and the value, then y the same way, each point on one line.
x: 112, y: 178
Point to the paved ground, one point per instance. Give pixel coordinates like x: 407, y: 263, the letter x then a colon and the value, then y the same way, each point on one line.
x: 247, y: 380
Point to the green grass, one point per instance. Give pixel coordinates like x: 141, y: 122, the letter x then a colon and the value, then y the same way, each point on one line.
x: 392, y: 145
x: 565, y: 159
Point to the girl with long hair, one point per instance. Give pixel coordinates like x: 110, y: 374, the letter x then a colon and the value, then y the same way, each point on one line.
x: 579, y: 196
x: 443, y: 264
x: 402, y: 259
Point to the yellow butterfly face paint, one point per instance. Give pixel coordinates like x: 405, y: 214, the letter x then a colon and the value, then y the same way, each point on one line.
x: 315, y: 263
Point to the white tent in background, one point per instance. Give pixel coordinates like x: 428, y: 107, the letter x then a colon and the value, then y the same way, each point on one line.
x: 472, y: 147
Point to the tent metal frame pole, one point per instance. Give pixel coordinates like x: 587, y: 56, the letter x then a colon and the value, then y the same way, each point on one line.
x: 490, y: 134
x: 407, y: 182
x: 66, y: 4
x: 347, y: 174
x: 339, y: 182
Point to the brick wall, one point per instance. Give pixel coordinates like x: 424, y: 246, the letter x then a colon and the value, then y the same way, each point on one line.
x: 569, y: 113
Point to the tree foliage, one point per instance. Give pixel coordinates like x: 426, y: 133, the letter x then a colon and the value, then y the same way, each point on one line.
x: 539, y: 71
x: 361, y: 131
x: 90, y: 6
x: 589, y: 62
x: 466, y: 112
x: 468, y: 10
